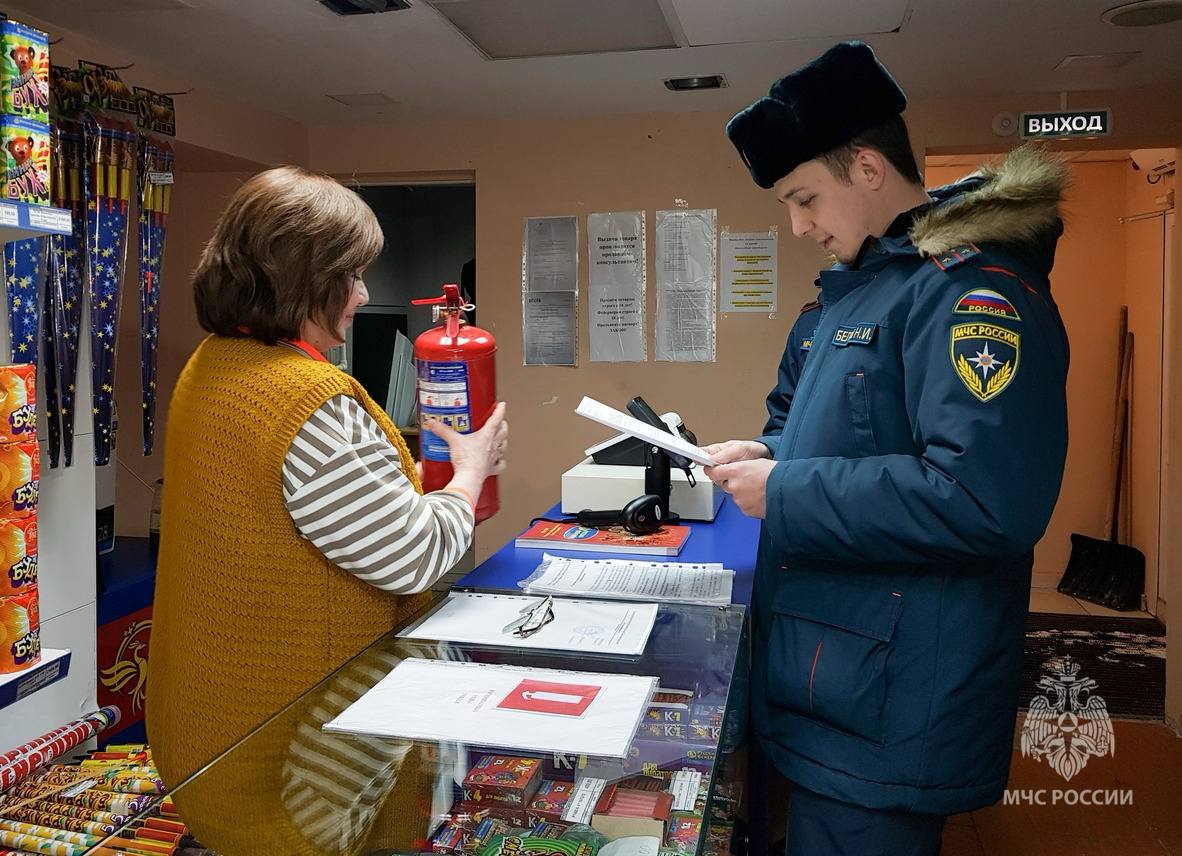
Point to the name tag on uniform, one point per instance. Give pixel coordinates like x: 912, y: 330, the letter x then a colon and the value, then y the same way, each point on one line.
x: 854, y: 334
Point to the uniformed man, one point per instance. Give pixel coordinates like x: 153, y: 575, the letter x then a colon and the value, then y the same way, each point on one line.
x: 779, y: 400
x: 918, y: 466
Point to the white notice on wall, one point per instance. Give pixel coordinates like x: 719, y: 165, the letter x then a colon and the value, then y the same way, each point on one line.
x: 549, y: 330
x: 616, y: 282
x: 749, y: 271
x: 551, y: 254
x: 687, y: 284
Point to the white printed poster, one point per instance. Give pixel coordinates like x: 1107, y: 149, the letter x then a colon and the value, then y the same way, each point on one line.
x: 549, y: 321
x: 552, y: 254
x: 687, y: 285
x: 749, y: 271
x: 616, y: 287
x: 550, y: 291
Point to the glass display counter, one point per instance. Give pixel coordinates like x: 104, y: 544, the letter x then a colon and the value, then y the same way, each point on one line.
x: 290, y: 787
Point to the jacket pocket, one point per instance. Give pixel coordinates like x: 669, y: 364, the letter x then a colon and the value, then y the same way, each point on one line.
x: 857, y: 400
x: 828, y: 650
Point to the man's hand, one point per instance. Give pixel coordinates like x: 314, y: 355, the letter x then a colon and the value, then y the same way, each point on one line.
x: 746, y: 482
x: 737, y: 450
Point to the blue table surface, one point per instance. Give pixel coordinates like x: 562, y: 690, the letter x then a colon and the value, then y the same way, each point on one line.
x: 731, y: 539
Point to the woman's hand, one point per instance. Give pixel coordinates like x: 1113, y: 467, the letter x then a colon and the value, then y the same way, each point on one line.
x: 475, y: 456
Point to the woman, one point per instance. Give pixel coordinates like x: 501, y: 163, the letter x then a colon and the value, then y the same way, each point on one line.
x: 294, y: 531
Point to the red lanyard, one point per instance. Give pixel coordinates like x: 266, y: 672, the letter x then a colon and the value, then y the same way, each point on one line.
x: 297, y: 343
x: 307, y: 349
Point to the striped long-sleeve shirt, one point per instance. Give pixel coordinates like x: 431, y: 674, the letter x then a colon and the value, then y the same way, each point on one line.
x: 345, y: 490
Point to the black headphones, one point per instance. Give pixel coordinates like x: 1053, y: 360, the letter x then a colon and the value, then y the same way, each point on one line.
x: 641, y: 516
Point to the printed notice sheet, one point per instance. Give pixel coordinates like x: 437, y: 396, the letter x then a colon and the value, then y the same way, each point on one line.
x: 616, y: 281
x: 549, y: 323
x: 550, y: 291
x: 592, y: 626
x: 687, y: 285
x: 664, y: 582
x: 552, y: 254
x: 749, y: 271
x: 509, y: 707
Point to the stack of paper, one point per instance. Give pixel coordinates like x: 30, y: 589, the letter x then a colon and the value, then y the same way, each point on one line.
x: 621, y: 579
x: 591, y: 626
x: 536, y: 710
x: 401, y: 394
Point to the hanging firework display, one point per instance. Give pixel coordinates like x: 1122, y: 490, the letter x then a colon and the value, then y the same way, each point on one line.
x: 154, y: 180
x: 110, y: 163
x: 24, y: 263
x: 64, y: 293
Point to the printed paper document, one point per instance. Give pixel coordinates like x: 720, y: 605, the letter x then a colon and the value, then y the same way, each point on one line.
x: 593, y: 626
x: 507, y: 707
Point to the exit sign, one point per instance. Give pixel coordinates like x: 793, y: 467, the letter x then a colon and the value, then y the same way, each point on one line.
x: 1067, y: 123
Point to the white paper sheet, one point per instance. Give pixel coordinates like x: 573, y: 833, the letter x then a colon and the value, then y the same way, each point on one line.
x: 591, y: 626
x: 604, y: 415
x: 551, y: 254
x: 507, y: 707
x: 664, y: 582
x: 687, y: 285
x: 749, y: 271
x: 549, y: 325
x: 616, y: 287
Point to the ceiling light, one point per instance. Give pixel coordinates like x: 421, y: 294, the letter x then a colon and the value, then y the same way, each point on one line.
x: 364, y: 99
x: 1144, y: 13
x: 1096, y: 62
x: 365, y: 7
x: 706, y: 81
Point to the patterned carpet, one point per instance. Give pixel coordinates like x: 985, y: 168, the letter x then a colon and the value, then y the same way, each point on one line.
x: 1126, y: 657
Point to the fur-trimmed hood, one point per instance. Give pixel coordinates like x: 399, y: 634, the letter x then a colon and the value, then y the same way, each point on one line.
x: 1016, y: 204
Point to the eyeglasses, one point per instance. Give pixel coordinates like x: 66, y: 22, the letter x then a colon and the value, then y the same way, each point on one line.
x: 533, y: 618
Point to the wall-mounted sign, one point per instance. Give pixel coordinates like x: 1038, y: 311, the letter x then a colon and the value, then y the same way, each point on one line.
x: 1067, y: 123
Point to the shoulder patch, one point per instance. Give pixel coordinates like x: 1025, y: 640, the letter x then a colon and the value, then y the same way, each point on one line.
x: 809, y: 307
x: 985, y: 357
x: 986, y: 301
x: 956, y: 256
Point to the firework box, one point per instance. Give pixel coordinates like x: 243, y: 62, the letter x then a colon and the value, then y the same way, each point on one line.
x: 24, y: 71
x: 26, y: 160
x: 505, y: 779
x: 510, y: 815
x: 549, y: 801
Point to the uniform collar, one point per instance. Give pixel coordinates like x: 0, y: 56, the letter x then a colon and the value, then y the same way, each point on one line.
x: 894, y: 240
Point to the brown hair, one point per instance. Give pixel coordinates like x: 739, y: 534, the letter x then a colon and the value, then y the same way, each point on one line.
x: 283, y: 253
x: 890, y: 139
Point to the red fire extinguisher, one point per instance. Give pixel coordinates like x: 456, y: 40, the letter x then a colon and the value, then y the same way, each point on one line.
x: 457, y: 386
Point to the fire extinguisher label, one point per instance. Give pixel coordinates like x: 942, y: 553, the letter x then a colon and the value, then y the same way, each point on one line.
x: 443, y: 395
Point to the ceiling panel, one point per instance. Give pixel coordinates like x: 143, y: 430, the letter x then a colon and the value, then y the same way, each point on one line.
x: 512, y: 29
x: 709, y: 22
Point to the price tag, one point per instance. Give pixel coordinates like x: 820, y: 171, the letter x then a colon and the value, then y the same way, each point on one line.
x: 581, y: 804
x: 684, y: 787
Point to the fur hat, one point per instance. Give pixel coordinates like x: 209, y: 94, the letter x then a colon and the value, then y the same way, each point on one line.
x: 818, y: 107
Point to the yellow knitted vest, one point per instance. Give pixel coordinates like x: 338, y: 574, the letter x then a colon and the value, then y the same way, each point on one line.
x: 247, y: 615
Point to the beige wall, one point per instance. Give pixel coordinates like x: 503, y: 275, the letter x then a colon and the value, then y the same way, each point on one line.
x: 1172, y: 475
x: 578, y: 167
x: 203, y: 119
x: 1144, y: 261
x: 197, y: 199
